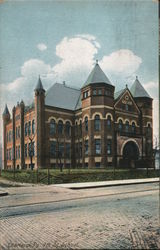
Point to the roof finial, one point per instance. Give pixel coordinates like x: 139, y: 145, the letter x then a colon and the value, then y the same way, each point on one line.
x: 126, y: 86
x: 64, y: 82
x: 136, y: 77
x: 96, y: 61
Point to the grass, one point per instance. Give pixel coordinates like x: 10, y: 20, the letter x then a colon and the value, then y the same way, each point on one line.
x: 76, y: 175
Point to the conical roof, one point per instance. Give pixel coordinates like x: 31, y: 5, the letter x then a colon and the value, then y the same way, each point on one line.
x: 39, y: 85
x: 97, y: 76
x: 6, y: 111
x: 137, y: 90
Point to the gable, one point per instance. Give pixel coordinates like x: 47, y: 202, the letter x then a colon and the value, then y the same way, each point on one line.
x: 126, y: 103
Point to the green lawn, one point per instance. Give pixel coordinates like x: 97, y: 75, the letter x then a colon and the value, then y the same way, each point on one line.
x: 76, y: 175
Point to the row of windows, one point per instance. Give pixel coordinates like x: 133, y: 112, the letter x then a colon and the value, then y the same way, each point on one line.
x: 97, y: 145
x: 60, y: 150
x: 97, y: 92
x: 60, y: 128
x: 29, y: 149
x: 97, y: 123
x: 27, y: 129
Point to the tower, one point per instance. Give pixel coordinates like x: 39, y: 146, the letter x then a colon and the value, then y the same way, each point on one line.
x: 6, y: 119
x: 39, y: 124
x: 97, y: 101
x: 144, y: 102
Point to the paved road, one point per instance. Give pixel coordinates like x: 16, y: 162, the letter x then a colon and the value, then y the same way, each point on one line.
x: 113, y: 218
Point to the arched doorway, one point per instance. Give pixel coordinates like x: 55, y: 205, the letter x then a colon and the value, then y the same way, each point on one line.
x: 130, y: 154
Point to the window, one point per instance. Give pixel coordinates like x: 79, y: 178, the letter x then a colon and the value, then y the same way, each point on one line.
x: 85, y: 94
x: 10, y: 135
x: 52, y: 127
x: 61, y: 150
x: 7, y: 136
x: 33, y: 127
x: 126, y: 107
x: 109, y: 122
x: 26, y: 128
x: 29, y: 128
x: 94, y: 92
x: 60, y: 127
x: 25, y: 150
x: 127, y: 126
x: 53, y: 148
x: 80, y: 149
x: 33, y: 148
x: 68, y: 150
x: 97, y: 164
x: 68, y: 128
x: 76, y: 128
x: 19, y: 153
x: 108, y: 92
x: 97, y: 146
x: 133, y: 127
x: 109, y: 147
x: 77, y: 153
x: 86, y: 123
x: 120, y: 125
x: 99, y: 92
x: 86, y: 147
x: 149, y: 131
x: 80, y: 128
x: 18, y: 131
x: 97, y: 123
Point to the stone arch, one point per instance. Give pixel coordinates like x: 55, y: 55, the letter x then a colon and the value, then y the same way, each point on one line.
x: 67, y: 120
x: 61, y: 119
x: 107, y: 114
x: 127, y: 120
x: 134, y: 122
x: 86, y: 115
x: 120, y: 118
x: 52, y: 118
x: 130, y: 140
x: 97, y: 113
x: 149, y: 123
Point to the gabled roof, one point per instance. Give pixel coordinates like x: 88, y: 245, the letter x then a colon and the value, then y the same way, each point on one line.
x: 137, y: 90
x: 6, y: 111
x: 39, y: 85
x: 97, y: 76
x: 62, y: 96
x: 118, y: 93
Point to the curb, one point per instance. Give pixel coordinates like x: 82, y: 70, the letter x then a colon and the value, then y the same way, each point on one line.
x: 112, y: 185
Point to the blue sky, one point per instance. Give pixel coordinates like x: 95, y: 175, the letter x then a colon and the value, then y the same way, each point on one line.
x: 60, y: 40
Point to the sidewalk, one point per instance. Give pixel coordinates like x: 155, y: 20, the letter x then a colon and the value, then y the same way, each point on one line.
x: 85, y: 185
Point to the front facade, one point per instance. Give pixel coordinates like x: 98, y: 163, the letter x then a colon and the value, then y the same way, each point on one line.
x: 88, y: 127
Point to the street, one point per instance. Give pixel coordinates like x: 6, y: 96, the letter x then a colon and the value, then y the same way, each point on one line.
x: 45, y: 217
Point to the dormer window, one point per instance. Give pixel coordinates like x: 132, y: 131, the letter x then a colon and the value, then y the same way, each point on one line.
x: 94, y: 92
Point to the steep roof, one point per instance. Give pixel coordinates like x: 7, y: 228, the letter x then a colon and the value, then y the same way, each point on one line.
x: 118, y: 93
x: 39, y: 85
x: 62, y: 96
x: 137, y: 90
x: 6, y: 111
x: 97, y: 76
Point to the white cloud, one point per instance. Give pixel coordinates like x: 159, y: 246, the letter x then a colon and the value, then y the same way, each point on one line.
x: 42, y: 46
x: 121, y: 62
x: 77, y: 58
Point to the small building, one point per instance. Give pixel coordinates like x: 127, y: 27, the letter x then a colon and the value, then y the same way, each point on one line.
x: 89, y: 127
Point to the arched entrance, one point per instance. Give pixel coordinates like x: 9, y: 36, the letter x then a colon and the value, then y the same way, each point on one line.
x: 130, y: 154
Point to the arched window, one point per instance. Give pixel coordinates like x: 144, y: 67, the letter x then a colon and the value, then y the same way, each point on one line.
x: 76, y: 128
x: 68, y: 128
x: 29, y: 128
x: 120, y: 125
x: 149, y: 129
x: 127, y: 126
x: 26, y: 129
x: 60, y: 127
x: 97, y: 123
x: 86, y: 123
x: 80, y: 127
x: 33, y: 127
x: 52, y: 127
x: 133, y: 127
x: 109, y: 122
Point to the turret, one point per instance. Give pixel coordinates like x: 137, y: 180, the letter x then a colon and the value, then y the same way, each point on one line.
x: 39, y: 123
x: 6, y: 119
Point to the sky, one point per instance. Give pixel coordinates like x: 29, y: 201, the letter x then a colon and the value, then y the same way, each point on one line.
x: 61, y: 40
